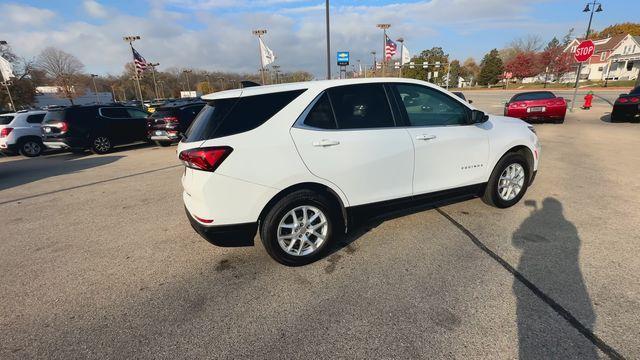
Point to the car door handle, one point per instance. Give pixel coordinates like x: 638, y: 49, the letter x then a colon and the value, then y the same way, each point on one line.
x: 425, y: 137
x: 325, y: 143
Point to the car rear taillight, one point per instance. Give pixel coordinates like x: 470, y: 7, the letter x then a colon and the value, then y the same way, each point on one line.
x: 60, y: 125
x: 623, y: 100
x: 170, y: 119
x: 5, y: 132
x: 206, y: 159
x: 634, y: 99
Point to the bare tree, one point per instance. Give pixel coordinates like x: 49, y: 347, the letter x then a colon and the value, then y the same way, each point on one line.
x: 63, y: 68
x: 529, y: 43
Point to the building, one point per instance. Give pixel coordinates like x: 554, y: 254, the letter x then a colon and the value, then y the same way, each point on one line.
x: 615, y: 58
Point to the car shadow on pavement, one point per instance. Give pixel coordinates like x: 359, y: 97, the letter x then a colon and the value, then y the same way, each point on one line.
x: 24, y: 171
x: 606, y: 117
x: 550, y: 247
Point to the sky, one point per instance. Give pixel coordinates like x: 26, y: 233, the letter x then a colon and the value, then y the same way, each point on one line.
x: 216, y: 34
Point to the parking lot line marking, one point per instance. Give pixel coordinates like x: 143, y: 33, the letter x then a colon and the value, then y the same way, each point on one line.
x: 575, y: 323
x: 88, y: 184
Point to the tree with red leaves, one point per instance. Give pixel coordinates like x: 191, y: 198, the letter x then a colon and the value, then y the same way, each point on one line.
x: 523, y: 65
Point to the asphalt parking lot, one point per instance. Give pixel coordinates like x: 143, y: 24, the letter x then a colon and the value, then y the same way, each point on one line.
x: 98, y: 261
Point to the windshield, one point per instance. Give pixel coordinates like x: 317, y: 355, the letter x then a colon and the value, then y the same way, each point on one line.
x: 5, y: 119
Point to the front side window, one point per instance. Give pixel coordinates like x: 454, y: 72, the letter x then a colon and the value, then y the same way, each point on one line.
x: 321, y: 115
x: 425, y: 106
x: 361, y: 106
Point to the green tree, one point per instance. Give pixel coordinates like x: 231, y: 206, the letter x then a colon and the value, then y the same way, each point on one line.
x: 430, y: 56
x: 491, y: 68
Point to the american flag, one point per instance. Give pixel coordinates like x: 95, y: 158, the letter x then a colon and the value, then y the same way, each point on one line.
x: 139, y: 61
x: 390, y: 49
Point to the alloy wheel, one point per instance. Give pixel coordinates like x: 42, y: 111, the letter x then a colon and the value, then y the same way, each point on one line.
x: 302, y: 231
x: 511, y: 182
x: 31, y: 148
x: 101, y: 144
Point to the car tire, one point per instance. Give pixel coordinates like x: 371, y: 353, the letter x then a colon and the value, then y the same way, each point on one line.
x: 101, y: 144
x: 163, y: 143
x: 560, y: 121
x: 279, y: 228
x: 511, y: 174
x: 30, y: 148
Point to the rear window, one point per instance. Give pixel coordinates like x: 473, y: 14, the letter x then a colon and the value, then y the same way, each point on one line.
x: 232, y: 116
x: 163, y: 112
x: 5, y: 120
x: 533, y: 96
x: 53, y: 116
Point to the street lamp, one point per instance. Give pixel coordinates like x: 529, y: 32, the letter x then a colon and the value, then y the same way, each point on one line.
x: 186, y: 74
x: 130, y: 39
x: 276, y: 69
x: 259, y: 34
x: 384, y: 28
x: 95, y: 88
x: 591, y: 10
x: 328, y: 41
x: 153, y: 74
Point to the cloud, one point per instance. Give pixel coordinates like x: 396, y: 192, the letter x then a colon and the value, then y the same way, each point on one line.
x: 94, y: 9
x: 216, y: 39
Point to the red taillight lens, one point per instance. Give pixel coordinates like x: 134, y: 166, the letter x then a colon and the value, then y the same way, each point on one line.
x: 623, y: 100
x: 170, y: 119
x: 634, y: 99
x: 5, y: 132
x: 206, y: 159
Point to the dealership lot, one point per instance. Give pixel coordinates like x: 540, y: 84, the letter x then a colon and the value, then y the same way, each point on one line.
x: 99, y: 260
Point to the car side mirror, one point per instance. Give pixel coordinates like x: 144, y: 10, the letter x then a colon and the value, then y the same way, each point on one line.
x: 470, y: 101
x: 478, y: 117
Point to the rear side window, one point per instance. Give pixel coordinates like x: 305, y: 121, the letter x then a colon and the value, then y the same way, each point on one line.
x: 114, y: 113
x: 35, y: 119
x: 321, y: 115
x: 226, y: 117
x: 361, y: 106
x: 533, y: 96
x: 5, y: 120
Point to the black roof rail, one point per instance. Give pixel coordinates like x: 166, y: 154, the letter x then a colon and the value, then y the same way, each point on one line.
x: 248, y: 83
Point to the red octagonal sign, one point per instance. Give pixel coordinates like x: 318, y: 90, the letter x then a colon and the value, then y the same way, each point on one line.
x: 584, y: 51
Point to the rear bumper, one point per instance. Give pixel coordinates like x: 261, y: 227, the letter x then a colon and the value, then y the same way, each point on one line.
x: 64, y: 142
x: 162, y: 135
x: 625, y: 113
x: 234, y: 235
x: 8, y: 148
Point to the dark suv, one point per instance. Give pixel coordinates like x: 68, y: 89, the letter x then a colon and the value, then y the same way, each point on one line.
x: 168, y: 122
x: 95, y: 127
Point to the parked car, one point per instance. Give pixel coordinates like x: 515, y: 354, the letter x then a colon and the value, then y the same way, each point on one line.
x: 536, y: 106
x: 627, y: 107
x: 296, y: 161
x: 95, y: 127
x: 461, y: 96
x: 20, y: 133
x: 167, y: 124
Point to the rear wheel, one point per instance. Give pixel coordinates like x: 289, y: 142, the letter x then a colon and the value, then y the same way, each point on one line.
x: 508, y: 182
x: 299, y: 228
x: 31, y: 148
x: 101, y: 144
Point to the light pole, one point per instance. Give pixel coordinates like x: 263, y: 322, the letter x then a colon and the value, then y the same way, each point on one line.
x: 186, y: 75
x: 95, y: 88
x: 373, y: 68
x: 221, y: 83
x: 206, y: 77
x: 328, y: 41
x: 384, y: 28
x: 591, y: 10
x: 161, y: 83
x: 401, y: 41
x: 130, y: 39
x: 259, y: 34
x: 276, y: 69
x: 153, y: 74
x: 6, y: 83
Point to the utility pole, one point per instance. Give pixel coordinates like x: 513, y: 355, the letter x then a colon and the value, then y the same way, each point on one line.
x: 6, y: 83
x: 186, y: 75
x: 373, y: 68
x: 221, y: 83
x: 276, y: 69
x: 95, y: 88
x: 113, y: 93
x: 384, y: 28
x: 153, y: 74
x: 206, y: 77
x: 130, y: 39
x: 328, y: 41
x: 259, y: 34
x: 592, y: 10
x: 401, y: 41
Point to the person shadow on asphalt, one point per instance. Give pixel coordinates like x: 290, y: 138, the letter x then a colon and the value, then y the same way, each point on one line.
x: 550, y: 259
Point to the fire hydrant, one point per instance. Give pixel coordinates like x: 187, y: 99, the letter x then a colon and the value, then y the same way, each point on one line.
x: 587, y: 100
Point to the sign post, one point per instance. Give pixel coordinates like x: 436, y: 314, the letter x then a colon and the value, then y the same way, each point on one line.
x: 342, y: 58
x: 584, y: 51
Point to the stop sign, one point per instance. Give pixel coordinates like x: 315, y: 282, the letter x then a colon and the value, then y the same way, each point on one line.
x: 584, y: 51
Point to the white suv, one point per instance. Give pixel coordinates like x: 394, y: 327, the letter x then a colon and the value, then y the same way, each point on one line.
x: 296, y: 160
x: 20, y: 133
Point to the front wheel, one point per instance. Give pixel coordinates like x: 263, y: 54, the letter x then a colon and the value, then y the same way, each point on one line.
x: 299, y: 228
x: 101, y: 144
x: 508, y: 182
x: 31, y: 148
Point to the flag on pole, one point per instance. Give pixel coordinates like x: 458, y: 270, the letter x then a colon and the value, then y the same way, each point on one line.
x: 5, y: 69
x: 140, y: 63
x: 390, y: 49
x: 267, y: 54
x: 406, y: 56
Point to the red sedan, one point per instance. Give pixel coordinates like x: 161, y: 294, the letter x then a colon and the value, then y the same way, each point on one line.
x: 537, y: 106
